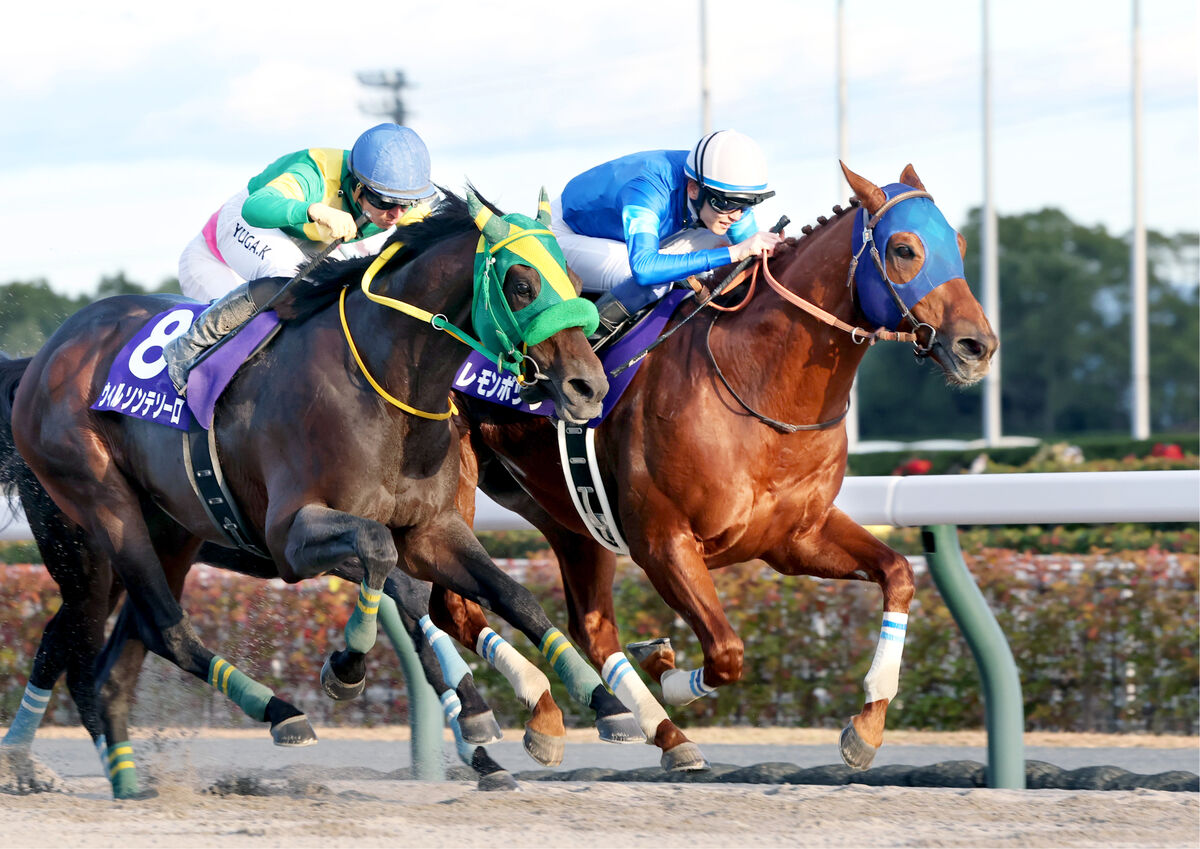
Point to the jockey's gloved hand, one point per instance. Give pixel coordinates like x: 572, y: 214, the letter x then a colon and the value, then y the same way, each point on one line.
x: 762, y: 242
x: 332, y: 223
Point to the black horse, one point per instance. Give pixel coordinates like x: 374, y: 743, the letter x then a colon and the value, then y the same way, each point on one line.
x: 336, y: 448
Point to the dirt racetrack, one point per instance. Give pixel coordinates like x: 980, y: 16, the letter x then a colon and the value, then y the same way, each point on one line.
x: 319, y: 806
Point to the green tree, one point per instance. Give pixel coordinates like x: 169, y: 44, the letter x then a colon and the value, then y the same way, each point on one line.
x: 29, y: 313
x: 1174, y: 330
x: 1064, y: 326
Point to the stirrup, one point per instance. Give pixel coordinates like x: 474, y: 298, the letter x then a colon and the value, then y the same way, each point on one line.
x: 613, y: 319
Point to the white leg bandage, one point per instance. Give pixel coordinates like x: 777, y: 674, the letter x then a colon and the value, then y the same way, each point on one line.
x: 883, y: 678
x: 527, y: 681
x: 681, y: 687
x: 623, y: 680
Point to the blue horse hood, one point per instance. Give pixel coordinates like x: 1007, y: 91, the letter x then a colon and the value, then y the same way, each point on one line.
x: 943, y: 262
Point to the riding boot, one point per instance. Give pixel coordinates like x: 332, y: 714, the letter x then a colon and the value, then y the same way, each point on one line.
x: 613, y: 317
x: 223, y: 315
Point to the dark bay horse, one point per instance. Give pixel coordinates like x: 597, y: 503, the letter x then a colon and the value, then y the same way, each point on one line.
x: 728, y: 446
x: 73, y: 636
x: 336, y: 445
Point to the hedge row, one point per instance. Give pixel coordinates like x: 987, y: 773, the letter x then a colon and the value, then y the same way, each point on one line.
x: 1082, y: 453
x: 1104, y: 642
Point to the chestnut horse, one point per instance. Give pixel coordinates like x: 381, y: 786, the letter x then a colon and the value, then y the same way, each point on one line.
x: 728, y: 446
x: 336, y: 444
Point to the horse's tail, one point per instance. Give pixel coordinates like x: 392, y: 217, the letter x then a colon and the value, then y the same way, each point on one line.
x: 51, y: 528
x: 13, y: 470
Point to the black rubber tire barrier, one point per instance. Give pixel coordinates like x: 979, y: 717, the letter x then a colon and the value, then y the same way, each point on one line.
x: 1039, y: 775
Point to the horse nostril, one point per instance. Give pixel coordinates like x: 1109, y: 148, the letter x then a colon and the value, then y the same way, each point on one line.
x: 582, y: 389
x: 970, y: 349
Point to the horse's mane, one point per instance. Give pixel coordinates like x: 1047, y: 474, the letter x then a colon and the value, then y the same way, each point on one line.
x: 807, y: 230
x: 323, y: 285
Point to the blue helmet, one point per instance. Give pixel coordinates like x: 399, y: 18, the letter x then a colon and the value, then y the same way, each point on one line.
x: 393, y: 162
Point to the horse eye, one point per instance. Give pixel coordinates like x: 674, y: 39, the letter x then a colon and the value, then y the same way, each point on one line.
x: 523, y: 288
x: 904, y: 252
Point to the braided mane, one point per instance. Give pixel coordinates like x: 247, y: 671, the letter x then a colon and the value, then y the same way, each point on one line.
x: 808, y: 229
x: 838, y: 212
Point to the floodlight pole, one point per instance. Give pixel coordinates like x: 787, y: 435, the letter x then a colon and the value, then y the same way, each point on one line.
x: 989, y: 259
x: 1139, y: 310
x: 705, y: 97
x: 843, y: 191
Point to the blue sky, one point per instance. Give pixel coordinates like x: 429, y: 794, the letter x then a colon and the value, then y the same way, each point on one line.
x: 127, y: 124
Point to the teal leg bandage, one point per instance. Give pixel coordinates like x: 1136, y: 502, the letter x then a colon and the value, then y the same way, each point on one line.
x: 389, y: 620
x: 362, y: 628
x: 242, y: 690
x: 569, y: 666
x: 454, y: 668
x: 122, y: 773
x: 28, y: 718
x: 102, y: 750
x: 452, y: 707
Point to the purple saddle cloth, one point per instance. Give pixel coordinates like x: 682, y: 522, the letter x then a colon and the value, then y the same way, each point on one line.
x: 480, y: 378
x: 138, y: 384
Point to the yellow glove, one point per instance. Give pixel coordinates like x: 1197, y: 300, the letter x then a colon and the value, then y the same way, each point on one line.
x: 332, y: 223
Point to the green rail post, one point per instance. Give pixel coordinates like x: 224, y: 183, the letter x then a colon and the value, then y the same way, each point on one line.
x: 1003, y: 709
x: 424, y: 707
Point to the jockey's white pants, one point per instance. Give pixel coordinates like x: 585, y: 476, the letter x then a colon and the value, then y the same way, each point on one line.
x: 228, y: 252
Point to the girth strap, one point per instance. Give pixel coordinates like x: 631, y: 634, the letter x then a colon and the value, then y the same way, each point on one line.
x: 577, y: 450
x: 204, y: 474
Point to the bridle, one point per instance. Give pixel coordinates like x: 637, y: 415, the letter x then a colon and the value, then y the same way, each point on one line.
x: 868, y: 236
x: 857, y: 334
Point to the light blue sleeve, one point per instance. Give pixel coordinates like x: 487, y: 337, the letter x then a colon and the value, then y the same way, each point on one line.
x: 642, y: 223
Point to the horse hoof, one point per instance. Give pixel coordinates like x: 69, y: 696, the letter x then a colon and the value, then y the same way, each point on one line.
x: 501, y: 780
x: 480, y: 729
x: 640, y: 651
x: 857, y: 753
x: 686, y: 757
x: 620, y: 728
x: 339, y: 690
x: 546, y: 750
x: 293, y: 732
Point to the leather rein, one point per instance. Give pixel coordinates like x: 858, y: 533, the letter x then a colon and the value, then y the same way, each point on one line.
x: 857, y: 334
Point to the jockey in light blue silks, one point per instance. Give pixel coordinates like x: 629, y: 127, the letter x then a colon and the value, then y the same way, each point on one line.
x: 633, y: 226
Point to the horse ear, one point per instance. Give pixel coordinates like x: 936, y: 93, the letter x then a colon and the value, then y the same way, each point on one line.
x: 868, y: 194
x: 962, y: 245
x: 494, y: 229
x: 543, y: 214
x: 909, y: 178
x: 473, y: 204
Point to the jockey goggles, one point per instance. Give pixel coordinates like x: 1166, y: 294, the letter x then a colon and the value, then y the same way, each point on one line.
x: 385, y: 204
x: 728, y: 203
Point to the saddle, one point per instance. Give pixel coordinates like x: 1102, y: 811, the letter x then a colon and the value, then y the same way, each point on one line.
x: 138, y: 386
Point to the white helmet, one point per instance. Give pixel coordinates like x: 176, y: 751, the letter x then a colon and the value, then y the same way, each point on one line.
x: 729, y: 164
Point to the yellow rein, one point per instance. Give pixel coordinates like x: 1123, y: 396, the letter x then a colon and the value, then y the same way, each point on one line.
x: 401, y: 306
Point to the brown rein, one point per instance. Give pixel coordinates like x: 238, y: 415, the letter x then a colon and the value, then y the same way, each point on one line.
x: 832, y: 320
x: 856, y: 333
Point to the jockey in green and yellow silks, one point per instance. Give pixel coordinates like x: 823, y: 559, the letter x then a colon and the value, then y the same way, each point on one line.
x: 291, y: 212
